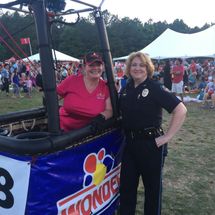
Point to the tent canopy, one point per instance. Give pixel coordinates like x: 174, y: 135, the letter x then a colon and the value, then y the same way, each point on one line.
x: 172, y: 44
x: 59, y: 55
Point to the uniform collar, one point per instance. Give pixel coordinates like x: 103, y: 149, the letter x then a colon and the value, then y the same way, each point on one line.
x: 143, y: 84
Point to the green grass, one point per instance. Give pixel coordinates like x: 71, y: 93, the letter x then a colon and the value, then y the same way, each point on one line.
x: 9, y: 104
x: 189, y: 171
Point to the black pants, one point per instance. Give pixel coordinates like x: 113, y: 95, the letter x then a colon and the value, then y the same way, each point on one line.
x: 6, y: 85
x: 143, y: 158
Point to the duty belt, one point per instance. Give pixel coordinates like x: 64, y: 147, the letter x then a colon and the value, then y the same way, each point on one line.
x: 150, y: 132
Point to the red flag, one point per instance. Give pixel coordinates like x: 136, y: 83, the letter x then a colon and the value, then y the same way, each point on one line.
x: 25, y: 41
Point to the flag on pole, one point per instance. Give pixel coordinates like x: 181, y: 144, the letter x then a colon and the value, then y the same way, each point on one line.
x: 25, y: 41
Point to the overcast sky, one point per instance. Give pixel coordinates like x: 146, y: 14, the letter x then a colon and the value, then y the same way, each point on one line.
x: 193, y: 12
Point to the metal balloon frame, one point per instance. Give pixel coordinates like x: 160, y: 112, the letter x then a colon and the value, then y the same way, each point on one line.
x: 50, y: 112
x: 35, y: 135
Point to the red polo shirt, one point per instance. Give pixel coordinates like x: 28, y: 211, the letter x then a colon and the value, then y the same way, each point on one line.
x: 80, y: 106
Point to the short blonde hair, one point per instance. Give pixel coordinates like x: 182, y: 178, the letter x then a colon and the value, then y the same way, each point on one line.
x: 144, y: 58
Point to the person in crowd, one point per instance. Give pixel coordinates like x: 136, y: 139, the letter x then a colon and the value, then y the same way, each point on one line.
x: 209, y: 92
x: 22, y: 68
x: 5, y: 77
x: 202, y: 84
x: 167, y: 75
x: 141, y: 104
x: 177, y: 73
x: 200, y: 89
x: 86, y: 97
x: 15, y: 81
x: 64, y: 73
x: 186, y: 79
x: 192, y: 80
x: 122, y: 82
x: 39, y: 80
x: 29, y: 85
x: 22, y: 82
x: 13, y: 66
x: 79, y: 70
x: 193, y: 67
x: 212, y: 101
x: 1, y: 84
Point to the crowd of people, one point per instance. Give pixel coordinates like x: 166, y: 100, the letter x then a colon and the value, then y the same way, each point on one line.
x: 19, y: 78
x: 182, y: 77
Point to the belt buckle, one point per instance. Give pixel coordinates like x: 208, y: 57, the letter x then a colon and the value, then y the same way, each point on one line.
x: 150, y: 132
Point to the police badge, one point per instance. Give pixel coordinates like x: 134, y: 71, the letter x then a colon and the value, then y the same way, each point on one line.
x: 145, y: 92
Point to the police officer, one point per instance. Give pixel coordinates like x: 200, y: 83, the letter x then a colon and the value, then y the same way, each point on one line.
x: 141, y: 103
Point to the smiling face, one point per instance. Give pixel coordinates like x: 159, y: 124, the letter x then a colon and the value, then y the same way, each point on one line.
x: 94, y: 70
x: 138, y: 70
x: 139, y: 67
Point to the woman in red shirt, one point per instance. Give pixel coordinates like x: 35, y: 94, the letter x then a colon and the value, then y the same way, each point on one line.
x: 85, y: 96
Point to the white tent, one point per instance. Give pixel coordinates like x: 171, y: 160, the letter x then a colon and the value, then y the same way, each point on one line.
x: 59, y: 55
x: 172, y: 44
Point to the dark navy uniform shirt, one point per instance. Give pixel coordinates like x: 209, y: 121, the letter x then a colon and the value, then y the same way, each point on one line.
x: 141, y: 107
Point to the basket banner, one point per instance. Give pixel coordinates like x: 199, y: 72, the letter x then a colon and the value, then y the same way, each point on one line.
x: 14, y: 180
x: 81, y: 180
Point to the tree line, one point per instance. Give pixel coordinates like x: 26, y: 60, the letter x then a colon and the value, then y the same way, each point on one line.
x: 125, y: 34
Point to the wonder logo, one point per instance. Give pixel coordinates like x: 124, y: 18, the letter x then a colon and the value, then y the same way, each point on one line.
x: 100, y: 187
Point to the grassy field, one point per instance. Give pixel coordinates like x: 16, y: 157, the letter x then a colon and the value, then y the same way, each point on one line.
x: 9, y: 104
x: 189, y: 171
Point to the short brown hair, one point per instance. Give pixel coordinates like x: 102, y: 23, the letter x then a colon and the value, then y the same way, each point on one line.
x: 144, y: 58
